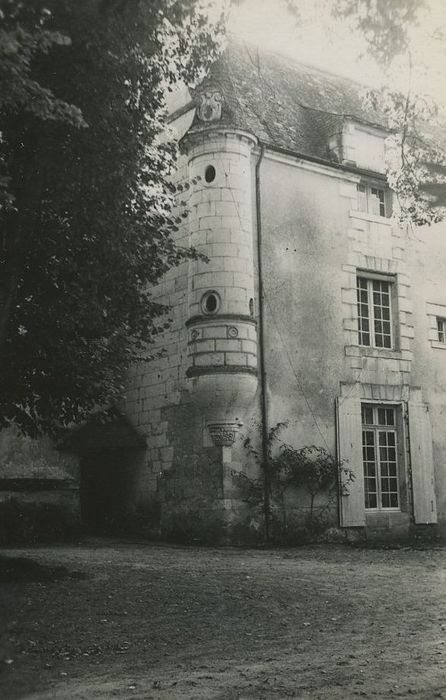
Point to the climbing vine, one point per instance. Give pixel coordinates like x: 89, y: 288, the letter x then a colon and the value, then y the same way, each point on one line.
x: 311, y: 472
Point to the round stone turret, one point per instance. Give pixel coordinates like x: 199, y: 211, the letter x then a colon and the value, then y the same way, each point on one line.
x: 222, y: 342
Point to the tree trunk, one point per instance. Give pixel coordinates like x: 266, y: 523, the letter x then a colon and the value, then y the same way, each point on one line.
x: 312, y: 496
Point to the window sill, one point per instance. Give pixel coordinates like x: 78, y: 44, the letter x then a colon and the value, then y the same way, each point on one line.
x: 373, y: 218
x: 378, y: 511
x: 439, y: 346
x: 365, y: 351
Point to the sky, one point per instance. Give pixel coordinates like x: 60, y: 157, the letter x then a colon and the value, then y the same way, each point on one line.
x: 323, y: 42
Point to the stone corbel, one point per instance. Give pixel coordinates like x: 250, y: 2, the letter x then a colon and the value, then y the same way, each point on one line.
x: 223, y: 433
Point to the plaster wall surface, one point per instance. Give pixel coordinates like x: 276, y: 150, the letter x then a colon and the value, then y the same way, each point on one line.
x: 22, y: 457
x: 313, y: 245
x: 426, y: 254
x: 304, y: 245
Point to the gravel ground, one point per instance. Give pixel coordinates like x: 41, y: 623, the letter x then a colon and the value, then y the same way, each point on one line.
x: 129, y: 620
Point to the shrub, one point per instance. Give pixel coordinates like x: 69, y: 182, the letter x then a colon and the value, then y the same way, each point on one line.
x: 195, y: 523
x: 310, y: 469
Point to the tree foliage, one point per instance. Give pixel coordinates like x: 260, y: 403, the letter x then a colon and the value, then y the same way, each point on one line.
x: 87, y: 210
x: 415, y: 155
x: 383, y: 24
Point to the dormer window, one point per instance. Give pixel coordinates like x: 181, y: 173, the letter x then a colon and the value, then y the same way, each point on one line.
x: 364, y: 147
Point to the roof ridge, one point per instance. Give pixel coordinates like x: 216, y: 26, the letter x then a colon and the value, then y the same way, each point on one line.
x: 243, y: 43
x: 292, y: 63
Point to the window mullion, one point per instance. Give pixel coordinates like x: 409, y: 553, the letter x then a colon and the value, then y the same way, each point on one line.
x: 392, y: 316
x: 377, y: 461
x: 371, y: 313
x: 378, y: 470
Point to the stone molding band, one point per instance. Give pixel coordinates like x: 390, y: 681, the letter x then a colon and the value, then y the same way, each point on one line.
x: 220, y: 369
x: 215, y: 320
x: 198, y: 133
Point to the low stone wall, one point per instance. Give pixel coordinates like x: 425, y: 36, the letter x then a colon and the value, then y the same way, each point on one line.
x: 58, y: 493
x: 38, y: 510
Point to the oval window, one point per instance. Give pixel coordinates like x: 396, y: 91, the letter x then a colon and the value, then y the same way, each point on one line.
x: 209, y: 173
x: 210, y: 303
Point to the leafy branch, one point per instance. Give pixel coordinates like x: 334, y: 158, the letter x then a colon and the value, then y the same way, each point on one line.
x: 310, y: 469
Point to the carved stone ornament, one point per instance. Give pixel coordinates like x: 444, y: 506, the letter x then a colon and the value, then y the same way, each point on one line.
x: 223, y: 434
x: 209, y: 106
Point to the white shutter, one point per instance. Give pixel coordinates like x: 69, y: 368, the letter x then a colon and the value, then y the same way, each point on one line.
x: 349, y: 441
x: 420, y: 436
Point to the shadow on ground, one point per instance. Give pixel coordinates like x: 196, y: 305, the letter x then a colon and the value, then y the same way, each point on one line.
x: 21, y: 570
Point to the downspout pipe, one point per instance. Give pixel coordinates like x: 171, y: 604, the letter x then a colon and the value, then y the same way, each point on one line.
x: 261, y: 330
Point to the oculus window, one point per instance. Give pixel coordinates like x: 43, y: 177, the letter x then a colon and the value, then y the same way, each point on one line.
x: 210, y: 303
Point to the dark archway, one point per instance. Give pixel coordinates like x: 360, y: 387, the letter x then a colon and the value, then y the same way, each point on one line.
x: 109, y: 447
x: 105, y: 490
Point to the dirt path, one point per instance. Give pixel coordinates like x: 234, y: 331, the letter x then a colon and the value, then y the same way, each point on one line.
x: 174, y: 623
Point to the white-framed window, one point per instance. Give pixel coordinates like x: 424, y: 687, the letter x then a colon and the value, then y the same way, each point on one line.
x: 441, y: 329
x: 374, y: 298
x: 379, y: 457
x: 436, y: 316
x: 372, y: 199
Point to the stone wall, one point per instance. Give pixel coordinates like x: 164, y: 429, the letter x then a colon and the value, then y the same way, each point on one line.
x: 202, y: 388
x: 37, y: 478
x: 154, y: 386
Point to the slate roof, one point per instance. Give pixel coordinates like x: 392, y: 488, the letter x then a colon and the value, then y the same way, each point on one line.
x: 287, y: 105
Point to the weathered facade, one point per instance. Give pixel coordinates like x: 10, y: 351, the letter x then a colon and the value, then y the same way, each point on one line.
x: 309, y: 305
x: 313, y: 307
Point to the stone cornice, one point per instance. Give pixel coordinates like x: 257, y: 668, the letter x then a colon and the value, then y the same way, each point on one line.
x: 342, y: 171
x: 220, y: 318
x: 197, y: 135
x: 220, y: 369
